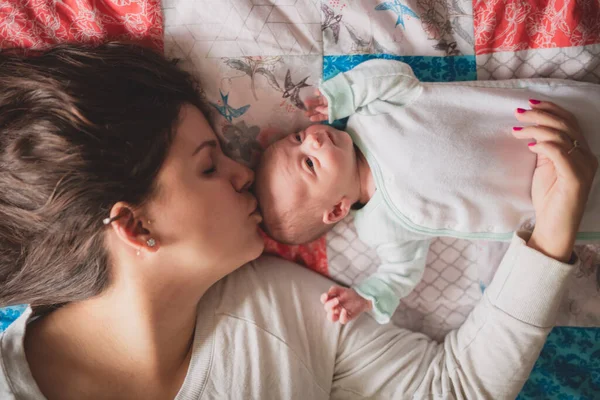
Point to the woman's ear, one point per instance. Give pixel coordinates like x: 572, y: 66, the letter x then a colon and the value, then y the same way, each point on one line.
x: 131, y: 229
x: 338, y: 212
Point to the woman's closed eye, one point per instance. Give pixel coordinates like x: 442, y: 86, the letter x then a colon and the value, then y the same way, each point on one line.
x: 208, y: 153
x: 209, y: 166
x: 210, y: 170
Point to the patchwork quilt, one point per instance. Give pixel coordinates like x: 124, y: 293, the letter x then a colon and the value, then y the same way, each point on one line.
x: 259, y: 59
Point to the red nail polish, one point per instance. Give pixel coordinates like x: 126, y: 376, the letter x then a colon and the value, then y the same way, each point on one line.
x: 517, y: 128
x: 521, y: 110
x: 531, y: 144
x: 534, y: 101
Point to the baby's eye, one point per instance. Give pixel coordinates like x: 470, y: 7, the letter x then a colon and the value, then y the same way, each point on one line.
x: 310, y: 164
x: 298, y: 138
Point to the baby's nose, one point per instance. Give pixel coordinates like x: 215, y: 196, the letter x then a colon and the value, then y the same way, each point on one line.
x: 314, y: 140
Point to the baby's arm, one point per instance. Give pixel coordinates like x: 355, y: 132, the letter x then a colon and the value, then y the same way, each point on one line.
x: 388, y: 80
x: 401, y: 270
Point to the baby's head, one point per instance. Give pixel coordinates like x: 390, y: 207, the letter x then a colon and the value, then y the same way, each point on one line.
x: 306, y: 182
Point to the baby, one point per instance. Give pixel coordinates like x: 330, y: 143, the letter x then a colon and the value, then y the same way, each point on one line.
x: 417, y: 160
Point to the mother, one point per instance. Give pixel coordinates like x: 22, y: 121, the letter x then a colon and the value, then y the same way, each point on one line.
x: 122, y: 223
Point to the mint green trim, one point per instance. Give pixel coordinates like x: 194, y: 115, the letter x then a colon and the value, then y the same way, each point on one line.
x: 384, y: 300
x: 373, y: 202
x: 377, y: 174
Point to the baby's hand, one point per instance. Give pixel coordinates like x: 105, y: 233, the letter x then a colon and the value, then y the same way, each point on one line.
x: 317, y: 107
x: 343, y: 304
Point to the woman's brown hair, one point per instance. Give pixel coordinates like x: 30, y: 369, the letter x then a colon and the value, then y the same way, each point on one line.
x: 81, y: 128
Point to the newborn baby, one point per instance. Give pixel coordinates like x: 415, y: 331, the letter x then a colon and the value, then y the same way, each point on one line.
x: 417, y: 160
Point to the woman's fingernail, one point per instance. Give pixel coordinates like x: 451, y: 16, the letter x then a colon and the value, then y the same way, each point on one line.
x: 531, y: 144
x: 521, y: 110
x: 517, y: 128
x: 534, y: 101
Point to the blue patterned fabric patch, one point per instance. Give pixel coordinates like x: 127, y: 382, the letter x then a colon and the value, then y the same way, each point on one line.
x: 9, y: 314
x: 568, y: 367
x: 427, y: 69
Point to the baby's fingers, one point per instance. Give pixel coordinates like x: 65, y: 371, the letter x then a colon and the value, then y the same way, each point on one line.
x: 334, y: 316
x: 319, y: 100
x: 312, y: 103
x: 322, y: 99
x: 330, y: 305
x: 318, y: 118
x: 311, y: 113
x: 344, y: 317
x: 324, y: 297
x: 335, y: 291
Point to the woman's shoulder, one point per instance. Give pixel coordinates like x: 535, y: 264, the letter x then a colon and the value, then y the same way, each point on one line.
x: 268, y: 282
x: 272, y: 307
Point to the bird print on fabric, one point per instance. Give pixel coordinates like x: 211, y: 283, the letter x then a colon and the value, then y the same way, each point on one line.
x: 292, y: 90
x: 400, y: 9
x: 226, y: 110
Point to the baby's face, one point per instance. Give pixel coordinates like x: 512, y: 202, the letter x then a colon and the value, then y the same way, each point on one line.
x: 317, y: 164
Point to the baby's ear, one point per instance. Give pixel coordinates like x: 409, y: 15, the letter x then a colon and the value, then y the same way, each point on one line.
x: 338, y: 212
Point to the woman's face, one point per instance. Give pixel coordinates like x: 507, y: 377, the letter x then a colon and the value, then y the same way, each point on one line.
x: 204, y: 216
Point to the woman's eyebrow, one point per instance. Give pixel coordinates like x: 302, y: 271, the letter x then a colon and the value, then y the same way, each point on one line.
x: 211, y: 143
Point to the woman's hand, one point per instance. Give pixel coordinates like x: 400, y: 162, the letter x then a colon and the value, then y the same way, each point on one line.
x: 562, y: 178
x: 318, y: 109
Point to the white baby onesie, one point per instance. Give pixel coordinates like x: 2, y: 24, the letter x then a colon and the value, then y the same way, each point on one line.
x: 445, y: 162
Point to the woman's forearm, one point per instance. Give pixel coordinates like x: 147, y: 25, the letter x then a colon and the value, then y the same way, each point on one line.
x: 489, y: 357
x: 496, y: 348
x: 559, y: 251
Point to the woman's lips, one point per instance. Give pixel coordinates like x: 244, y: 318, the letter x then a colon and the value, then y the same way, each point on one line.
x: 255, y: 210
x: 256, y: 214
